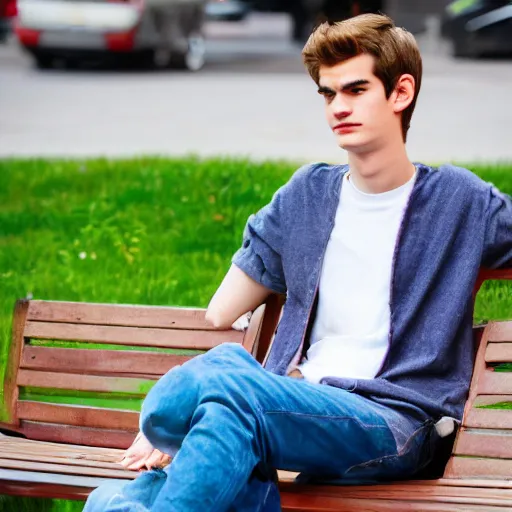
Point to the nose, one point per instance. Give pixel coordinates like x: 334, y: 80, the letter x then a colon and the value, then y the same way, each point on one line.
x: 340, y: 108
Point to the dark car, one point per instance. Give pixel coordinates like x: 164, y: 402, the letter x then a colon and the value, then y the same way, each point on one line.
x: 7, y: 13
x: 227, y: 10
x: 479, y: 27
x: 306, y: 14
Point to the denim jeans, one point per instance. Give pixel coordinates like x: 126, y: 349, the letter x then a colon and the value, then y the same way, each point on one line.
x: 233, y: 424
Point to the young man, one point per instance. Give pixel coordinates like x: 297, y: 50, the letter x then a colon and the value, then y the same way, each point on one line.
x: 378, y: 260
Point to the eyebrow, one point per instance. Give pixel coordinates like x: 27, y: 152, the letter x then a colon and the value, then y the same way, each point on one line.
x: 345, y: 87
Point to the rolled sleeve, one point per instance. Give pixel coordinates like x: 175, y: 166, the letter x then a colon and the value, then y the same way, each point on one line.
x: 260, y: 256
x: 498, y: 240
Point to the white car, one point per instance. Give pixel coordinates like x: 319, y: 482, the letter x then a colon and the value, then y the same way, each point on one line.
x: 160, y: 32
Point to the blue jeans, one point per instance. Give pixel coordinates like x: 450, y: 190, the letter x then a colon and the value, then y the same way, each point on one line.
x: 233, y: 423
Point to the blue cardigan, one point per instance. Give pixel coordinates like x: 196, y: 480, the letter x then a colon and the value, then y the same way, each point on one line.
x: 453, y: 224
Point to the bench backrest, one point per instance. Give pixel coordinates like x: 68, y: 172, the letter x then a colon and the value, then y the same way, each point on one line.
x: 118, y: 359
x: 483, y: 447
x: 34, y: 366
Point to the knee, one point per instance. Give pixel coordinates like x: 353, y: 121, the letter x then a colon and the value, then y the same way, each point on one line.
x: 100, y: 498
x: 230, y: 355
x: 168, y: 408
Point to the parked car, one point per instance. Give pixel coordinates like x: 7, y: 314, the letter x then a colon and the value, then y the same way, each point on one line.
x: 306, y: 14
x: 479, y: 27
x: 158, y: 32
x: 227, y: 10
x: 7, y: 13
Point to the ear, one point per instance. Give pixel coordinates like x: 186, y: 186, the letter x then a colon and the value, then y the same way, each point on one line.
x: 403, y: 94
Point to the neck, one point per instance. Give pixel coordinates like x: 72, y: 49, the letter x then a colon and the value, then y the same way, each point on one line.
x: 382, y: 170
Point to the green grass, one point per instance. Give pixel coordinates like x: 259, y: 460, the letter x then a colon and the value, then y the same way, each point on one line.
x: 142, y: 231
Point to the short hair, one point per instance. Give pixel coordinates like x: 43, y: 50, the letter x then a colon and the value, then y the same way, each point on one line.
x: 394, y: 49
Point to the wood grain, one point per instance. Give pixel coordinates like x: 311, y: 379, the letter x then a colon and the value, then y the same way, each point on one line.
x: 11, y: 391
x: 132, y: 336
x: 104, y: 362
x: 77, y: 415
x: 65, y: 469
x: 87, y: 436
x: 484, y: 443
x: 499, y: 352
x: 52, y: 380
x: 494, y: 383
x: 489, y: 419
x: 475, y: 467
x: 118, y: 314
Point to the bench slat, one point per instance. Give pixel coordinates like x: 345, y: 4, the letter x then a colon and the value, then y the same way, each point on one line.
x: 499, y: 353
x: 26, y: 483
x: 297, y: 502
x: 65, y: 469
x: 61, y: 453
x: 86, y: 436
x: 477, y: 467
x: 417, y: 491
x: 138, y: 336
x: 92, y: 361
x: 491, y: 399
x: 495, y: 383
x: 489, y: 418
x: 484, y: 443
x: 78, y: 463
x: 118, y: 314
x: 500, y: 331
x: 74, y: 381
x: 80, y: 484
x: 97, y: 452
x: 77, y: 416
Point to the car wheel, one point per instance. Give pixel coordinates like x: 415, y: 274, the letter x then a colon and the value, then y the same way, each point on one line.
x: 194, y: 58
x: 465, y: 46
x: 44, y: 61
x: 161, y: 57
x: 463, y: 50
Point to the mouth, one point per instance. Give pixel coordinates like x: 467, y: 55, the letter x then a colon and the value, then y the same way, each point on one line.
x: 345, y: 127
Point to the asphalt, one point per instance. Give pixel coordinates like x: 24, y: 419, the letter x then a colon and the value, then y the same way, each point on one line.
x: 253, y: 99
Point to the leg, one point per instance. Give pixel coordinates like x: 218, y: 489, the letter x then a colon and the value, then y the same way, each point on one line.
x: 127, y: 496
x: 229, y: 416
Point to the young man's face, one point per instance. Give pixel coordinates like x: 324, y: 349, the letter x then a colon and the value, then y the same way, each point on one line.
x: 356, y: 107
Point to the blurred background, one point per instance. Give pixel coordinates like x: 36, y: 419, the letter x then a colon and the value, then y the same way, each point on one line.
x: 124, y: 77
x: 161, y: 81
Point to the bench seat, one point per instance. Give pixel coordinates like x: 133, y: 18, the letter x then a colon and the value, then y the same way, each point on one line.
x: 64, y: 450
x: 43, y: 469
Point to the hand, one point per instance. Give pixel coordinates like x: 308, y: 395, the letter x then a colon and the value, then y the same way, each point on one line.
x: 142, y: 454
x: 296, y: 374
x: 242, y: 323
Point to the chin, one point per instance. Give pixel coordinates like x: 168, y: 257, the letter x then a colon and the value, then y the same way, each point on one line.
x: 354, y: 144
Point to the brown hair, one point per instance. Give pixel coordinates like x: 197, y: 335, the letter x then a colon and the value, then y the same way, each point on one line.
x: 394, y: 49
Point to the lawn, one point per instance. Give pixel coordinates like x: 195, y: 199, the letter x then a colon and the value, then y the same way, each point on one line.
x: 144, y: 231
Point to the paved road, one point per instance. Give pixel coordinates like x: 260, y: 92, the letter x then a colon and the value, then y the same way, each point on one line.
x: 253, y: 99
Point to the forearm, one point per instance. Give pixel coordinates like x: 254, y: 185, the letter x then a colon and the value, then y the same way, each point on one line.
x: 236, y: 295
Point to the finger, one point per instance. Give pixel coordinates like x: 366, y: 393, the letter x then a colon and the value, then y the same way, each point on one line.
x: 133, y: 459
x: 153, y: 460
x: 136, y: 465
x: 157, y: 459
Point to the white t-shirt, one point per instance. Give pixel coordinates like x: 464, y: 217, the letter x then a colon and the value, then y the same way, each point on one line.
x: 351, y: 329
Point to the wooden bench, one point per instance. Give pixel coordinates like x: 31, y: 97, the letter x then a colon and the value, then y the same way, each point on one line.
x: 67, y: 450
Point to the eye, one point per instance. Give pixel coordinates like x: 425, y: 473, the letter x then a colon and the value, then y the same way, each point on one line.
x: 358, y: 90
x: 328, y: 96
